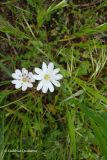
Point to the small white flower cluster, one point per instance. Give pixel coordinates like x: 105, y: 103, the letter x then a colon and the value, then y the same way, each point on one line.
x: 48, y: 77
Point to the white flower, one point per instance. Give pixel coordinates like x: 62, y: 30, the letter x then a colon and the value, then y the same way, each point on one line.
x: 23, y: 79
x: 48, y: 76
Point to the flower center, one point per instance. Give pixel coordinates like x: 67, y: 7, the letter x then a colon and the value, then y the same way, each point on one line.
x: 47, y: 77
x: 24, y: 79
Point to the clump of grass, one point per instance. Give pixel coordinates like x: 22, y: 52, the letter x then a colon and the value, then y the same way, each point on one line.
x: 71, y: 122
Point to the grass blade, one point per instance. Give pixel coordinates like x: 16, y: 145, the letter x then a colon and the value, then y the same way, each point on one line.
x: 90, y: 90
x: 71, y: 129
x: 99, y: 126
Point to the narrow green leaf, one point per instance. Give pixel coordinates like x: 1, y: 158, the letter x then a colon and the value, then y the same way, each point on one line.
x: 58, y: 6
x: 45, y: 14
x: 5, y: 69
x: 3, y: 95
x: 101, y: 122
x: 99, y: 126
x: 6, y: 27
x: 71, y: 129
x: 90, y: 90
x: 100, y: 139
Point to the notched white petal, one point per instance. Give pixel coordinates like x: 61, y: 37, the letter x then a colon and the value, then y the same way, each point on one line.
x: 40, y: 85
x: 37, y: 77
x: 44, y: 67
x: 16, y: 76
x: 38, y: 71
x: 24, y: 71
x: 30, y: 85
x: 51, y: 88
x: 15, y: 81
x: 45, y: 87
x: 50, y: 66
x: 24, y: 87
x: 31, y: 77
x: 56, y: 83
x: 58, y: 76
x: 18, y: 85
x: 17, y: 71
x: 55, y: 71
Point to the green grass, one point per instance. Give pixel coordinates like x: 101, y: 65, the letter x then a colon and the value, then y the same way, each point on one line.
x: 71, y: 123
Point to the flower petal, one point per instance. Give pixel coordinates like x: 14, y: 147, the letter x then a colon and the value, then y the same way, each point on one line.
x: 40, y: 85
x: 44, y: 67
x: 50, y: 86
x: 30, y: 85
x: 56, y: 83
x: 17, y: 74
x: 50, y: 66
x: 55, y: 71
x: 38, y: 77
x: 45, y: 87
x: 24, y: 71
x: 31, y: 77
x: 17, y: 84
x: 24, y: 87
x: 58, y: 76
x: 38, y: 71
x: 17, y: 71
x: 15, y: 81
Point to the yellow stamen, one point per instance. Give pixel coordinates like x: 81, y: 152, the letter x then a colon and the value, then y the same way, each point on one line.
x: 24, y: 79
x: 47, y: 77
